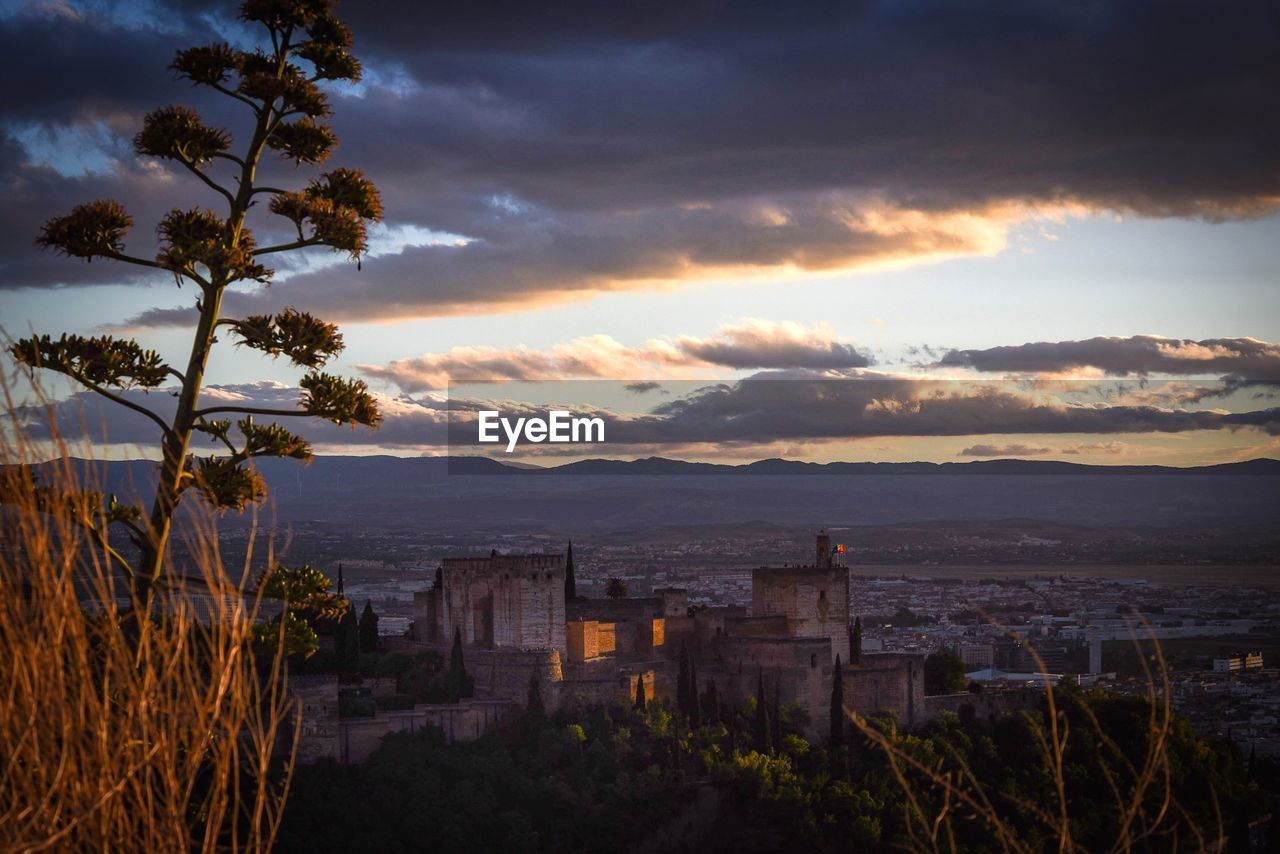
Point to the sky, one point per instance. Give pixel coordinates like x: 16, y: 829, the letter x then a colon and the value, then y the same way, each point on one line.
x: 880, y: 205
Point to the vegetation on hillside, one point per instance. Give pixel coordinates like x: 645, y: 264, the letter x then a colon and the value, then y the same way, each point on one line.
x: 619, y: 778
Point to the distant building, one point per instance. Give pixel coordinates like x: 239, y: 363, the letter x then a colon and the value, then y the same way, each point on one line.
x: 1238, y: 662
x: 975, y: 655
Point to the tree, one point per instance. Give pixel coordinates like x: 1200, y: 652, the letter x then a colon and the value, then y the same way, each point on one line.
x: 535, y: 708
x: 760, y: 732
x: 617, y: 589
x: 695, y: 701
x: 943, y: 674
x: 775, y: 717
x: 213, y: 251
x: 837, y: 706
x: 347, y: 641
x: 640, y: 701
x: 305, y: 598
x: 855, y: 642
x: 713, y: 701
x: 682, y: 682
x: 570, y: 581
x: 368, y: 628
x: 457, y: 683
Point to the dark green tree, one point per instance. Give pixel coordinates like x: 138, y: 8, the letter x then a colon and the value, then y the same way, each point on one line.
x: 943, y: 674
x: 695, y: 701
x: 368, y: 628
x: 640, y: 701
x: 760, y: 731
x: 305, y: 598
x: 837, y: 706
x: 347, y: 641
x: 458, y: 684
x: 682, y: 681
x: 713, y: 702
x: 534, y: 708
x: 775, y: 717
x: 570, y: 580
x: 855, y: 642
x: 617, y: 589
x: 302, y: 46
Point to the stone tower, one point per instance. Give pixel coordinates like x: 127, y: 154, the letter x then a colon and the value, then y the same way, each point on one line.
x: 824, y: 550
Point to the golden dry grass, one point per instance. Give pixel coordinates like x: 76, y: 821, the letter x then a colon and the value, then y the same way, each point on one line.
x: 162, y: 734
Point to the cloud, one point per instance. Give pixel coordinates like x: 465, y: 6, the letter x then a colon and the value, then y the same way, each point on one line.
x: 643, y: 387
x: 1095, y: 448
x: 776, y: 409
x: 1003, y: 451
x: 781, y: 406
x: 584, y: 148
x: 750, y: 343
x: 1138, y: 355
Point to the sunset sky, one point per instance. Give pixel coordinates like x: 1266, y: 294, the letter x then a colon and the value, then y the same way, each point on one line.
x: 965, y: 202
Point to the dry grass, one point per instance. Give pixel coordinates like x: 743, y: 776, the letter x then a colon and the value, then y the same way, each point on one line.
x: 940, y: 792
x: 159, y: 734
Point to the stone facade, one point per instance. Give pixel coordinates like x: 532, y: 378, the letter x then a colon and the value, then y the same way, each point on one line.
x: 813, y: 599
x: 463, y: 721
x: 500, y: 601
x: 317, y: 697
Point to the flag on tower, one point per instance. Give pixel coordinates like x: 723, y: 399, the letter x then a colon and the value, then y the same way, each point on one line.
x: 840, y: 548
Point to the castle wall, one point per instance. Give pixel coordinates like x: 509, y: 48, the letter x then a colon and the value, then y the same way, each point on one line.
x: 506, y: 673
x: 799, y: 667
x: 318, y: 696
x: 988, y: 704
x: 614, y: 610
x: 467, y: 720
x: 889, y: 682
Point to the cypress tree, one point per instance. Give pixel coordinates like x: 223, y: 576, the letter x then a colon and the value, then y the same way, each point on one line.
x: 776, y: 718
x: 682, y: 682
x: 535, y: 709
x: 640, y: 701
x: 368, y: 628
x: 855, y: 642
x: 713, y: 702
x: 695, y: 702
x: 760, y: 732
x: 570, y: 581
x: 457, y: 684
x: 347, y: 641
x: 837, y: 707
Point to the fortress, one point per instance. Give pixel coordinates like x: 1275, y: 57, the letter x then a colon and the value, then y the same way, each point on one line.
x: 520, y: 622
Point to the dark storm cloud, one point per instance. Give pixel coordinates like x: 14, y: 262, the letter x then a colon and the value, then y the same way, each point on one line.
x: 1139, y: 355
x: 587, y: 147
x: 790, y: 406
